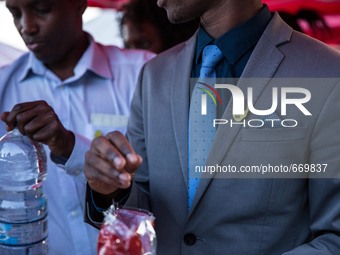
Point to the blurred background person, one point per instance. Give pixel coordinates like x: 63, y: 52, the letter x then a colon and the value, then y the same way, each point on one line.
x: 8, y: 54
x: 315, y: 25
x: 144, y: 25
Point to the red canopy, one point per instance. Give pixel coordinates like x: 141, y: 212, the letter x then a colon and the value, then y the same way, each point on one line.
x: 293, y: 6
x: 323, y: 6
x: 115, y: 4
x: 329, y: 9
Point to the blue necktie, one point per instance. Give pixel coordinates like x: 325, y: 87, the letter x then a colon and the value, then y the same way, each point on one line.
x: 201, y: 130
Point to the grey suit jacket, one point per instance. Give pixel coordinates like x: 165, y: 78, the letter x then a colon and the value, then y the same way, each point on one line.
x: 257, y: 216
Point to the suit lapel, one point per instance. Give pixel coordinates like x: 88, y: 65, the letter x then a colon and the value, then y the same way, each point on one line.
x: 180, y: 89
x: 262, y: 64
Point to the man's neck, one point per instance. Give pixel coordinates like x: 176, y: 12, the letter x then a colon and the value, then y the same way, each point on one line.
x: 228, y: 15
x: 64, y: 69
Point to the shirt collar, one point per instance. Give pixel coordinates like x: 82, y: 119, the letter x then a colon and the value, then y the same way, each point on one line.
x: 33, y: 65
x: 237, y: 41
x: 93, y: 59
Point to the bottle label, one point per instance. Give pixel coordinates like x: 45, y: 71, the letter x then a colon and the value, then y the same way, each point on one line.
x: 23, y: 233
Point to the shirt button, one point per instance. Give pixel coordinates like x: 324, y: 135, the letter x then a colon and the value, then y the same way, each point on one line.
x: 189, y: 239
x: 74, y: 213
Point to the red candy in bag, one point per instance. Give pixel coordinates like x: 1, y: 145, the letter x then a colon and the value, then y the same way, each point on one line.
x: 127, y: 232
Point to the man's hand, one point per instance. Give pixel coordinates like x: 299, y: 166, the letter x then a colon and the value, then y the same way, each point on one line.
x: 38, y: 121
x: 110, y: 163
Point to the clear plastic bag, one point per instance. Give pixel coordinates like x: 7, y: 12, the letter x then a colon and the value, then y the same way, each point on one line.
x: 127, y: 231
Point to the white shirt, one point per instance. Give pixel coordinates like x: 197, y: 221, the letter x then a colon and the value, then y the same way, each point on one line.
x: 8, y: 54
x: 96, y: 98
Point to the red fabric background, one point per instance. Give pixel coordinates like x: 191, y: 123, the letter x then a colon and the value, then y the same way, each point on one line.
x: 329, y: 9
x: 324, y: 6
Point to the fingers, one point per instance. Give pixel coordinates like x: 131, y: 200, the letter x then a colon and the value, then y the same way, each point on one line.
x: 15, y: 115
x: 38, y: 121
x: 98, y: 171
x: 108, y: 151
x: 101, y: 166
x: 110, y: 163
x: 101, y: 174
x: 42, y: 128
x: 3, y: 118
x: 130, y: 158
x: 28, y: 116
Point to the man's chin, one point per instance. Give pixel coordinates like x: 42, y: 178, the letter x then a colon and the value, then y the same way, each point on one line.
x: 175, y: 19
x: 47, y: 60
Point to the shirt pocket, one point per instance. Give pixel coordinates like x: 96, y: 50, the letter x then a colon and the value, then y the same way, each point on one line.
x: 101, y: 124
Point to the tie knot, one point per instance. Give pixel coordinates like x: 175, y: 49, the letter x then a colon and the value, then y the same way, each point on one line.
x: 211, y: 56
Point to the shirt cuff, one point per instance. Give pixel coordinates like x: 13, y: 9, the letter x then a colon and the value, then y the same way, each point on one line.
x: 74, y: 165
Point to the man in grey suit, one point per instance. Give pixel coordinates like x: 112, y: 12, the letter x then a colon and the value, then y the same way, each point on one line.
x: 290, y: 216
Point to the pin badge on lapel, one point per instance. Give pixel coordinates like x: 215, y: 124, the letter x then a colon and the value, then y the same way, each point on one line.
x: 240, y: 117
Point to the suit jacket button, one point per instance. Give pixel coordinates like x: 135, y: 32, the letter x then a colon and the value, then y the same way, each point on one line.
x: 189, y: 239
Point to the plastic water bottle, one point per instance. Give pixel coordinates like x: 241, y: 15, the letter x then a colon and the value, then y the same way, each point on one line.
x: 23, y: 205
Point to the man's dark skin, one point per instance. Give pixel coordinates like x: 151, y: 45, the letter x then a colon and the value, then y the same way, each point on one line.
x: 52, y: 30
